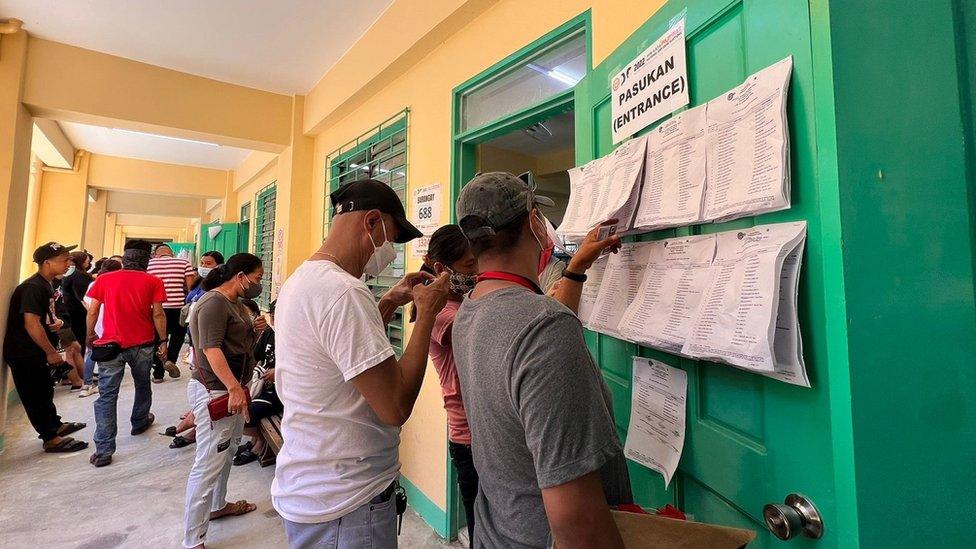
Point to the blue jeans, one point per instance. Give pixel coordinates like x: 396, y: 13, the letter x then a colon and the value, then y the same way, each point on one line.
x: 86, y: 376
x: 110, y: 376
x: 372, y: 525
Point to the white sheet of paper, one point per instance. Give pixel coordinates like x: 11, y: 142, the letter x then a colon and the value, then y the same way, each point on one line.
x: 619, y: 286
x: 591, y: 289
x: 605, y: 188
x: 667, y: 301
x: 736, y: 320
x: 656, y: 434
x: 674, y: 172
x: 748, y: 147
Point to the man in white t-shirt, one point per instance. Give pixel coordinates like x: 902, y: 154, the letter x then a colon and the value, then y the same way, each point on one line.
x: 345, y: 394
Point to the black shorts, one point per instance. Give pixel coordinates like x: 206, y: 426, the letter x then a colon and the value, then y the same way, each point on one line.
x: 264, y: 405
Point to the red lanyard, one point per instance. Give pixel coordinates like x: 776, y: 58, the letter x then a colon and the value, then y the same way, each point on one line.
x: 510, y: 277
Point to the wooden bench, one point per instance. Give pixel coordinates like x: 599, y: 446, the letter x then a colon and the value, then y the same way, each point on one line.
x: 271, y: 431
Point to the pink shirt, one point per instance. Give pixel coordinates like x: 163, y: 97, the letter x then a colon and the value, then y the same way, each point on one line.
x: 443, y: 356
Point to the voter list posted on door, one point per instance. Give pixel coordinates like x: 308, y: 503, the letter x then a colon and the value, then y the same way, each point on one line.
x: 674, y: 173
x: 656, y: 434
x: 747, y: 142
x: 619, y: 286
x: 738, y: 315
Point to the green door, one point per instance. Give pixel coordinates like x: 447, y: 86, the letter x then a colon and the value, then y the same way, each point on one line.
x: 228, y: 241
x: 750, y: 440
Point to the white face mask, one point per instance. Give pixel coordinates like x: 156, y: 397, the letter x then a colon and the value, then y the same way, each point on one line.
x: 383, y: 255
x: 551, y: 233
x: 204, y: 271
x: 71, y: 270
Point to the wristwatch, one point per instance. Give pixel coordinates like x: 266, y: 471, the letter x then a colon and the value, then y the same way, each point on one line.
x: 576, y: 277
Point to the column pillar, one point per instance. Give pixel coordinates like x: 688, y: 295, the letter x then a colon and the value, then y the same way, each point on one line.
x: 293, y: 209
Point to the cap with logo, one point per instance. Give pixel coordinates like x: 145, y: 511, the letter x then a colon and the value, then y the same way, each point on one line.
x: 494, y: 199
x: 50, y: 250
x: 369, y: 194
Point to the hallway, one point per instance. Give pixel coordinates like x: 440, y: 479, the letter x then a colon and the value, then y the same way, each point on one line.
x: 138, y: 500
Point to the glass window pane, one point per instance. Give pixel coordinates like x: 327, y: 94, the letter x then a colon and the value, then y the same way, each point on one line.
x: 552, y: 71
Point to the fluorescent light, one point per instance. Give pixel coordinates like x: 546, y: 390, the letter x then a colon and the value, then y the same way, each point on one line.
x: 144, y: 134
x: 563, y: 77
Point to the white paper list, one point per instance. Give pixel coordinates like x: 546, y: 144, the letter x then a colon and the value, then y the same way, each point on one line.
x: 591, y: 289
x: 747, y: 143
x: 674, y: 173
x: 619, y: 286
x: 656, y: 434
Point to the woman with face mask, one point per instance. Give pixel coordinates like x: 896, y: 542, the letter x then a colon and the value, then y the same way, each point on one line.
x: 449, y: 252
x: 224, y: 336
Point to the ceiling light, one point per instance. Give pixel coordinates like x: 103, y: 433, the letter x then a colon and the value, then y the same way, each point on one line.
x: 563, y: 77
x: 144, y: 134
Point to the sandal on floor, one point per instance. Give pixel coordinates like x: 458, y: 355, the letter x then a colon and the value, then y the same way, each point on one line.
x: 70, y: 427
x: 239, y: 508
x: 245, y: 457
x: 66, y: 445
x: 180, y: 442
x: 170, y: 431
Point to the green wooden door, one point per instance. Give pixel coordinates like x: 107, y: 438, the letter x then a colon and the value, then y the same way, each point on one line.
x: 227, y: 241
x: 750, y: 440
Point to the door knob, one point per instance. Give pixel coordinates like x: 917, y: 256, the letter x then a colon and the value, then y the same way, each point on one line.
x: 796, y: 516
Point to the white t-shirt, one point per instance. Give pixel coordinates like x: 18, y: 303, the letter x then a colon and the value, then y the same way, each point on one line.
x: 337, y: 454
x: 101, y: 312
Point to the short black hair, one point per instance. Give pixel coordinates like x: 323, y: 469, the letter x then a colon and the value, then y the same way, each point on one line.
x: 138, y: 245
x: 505, y: 236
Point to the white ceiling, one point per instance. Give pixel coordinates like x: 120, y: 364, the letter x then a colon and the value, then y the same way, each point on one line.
x: 283, y: 46
x: 113, y: 142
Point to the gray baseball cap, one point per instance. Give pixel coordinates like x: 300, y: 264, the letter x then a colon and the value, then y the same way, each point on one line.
x: 494, y: 199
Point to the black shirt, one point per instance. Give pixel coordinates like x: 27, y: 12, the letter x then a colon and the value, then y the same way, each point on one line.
x: 264, y: 350
x: 73, y: 288
x: 34, y: 295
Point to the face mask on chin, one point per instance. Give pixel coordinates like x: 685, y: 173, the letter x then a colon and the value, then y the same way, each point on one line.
x: 383, y: 255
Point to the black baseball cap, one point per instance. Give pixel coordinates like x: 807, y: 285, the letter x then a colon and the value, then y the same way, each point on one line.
x: 494, y: 199
x: 50, y: 250
x: 369, y: 194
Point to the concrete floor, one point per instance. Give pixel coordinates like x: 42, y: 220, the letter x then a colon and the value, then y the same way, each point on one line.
x: 60, y: 500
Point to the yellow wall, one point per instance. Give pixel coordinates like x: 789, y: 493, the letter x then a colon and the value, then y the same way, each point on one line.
x: 129, y: 174
x: 95, y: 223
x: 426, y: 88
x: 62, y: 205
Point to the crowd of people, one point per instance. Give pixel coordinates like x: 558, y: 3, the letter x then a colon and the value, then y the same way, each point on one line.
x: 530, y: 420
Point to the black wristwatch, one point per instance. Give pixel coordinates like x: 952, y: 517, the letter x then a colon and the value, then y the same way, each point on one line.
x: 576, y: 277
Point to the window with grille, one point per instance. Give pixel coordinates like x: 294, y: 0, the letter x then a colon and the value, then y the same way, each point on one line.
x: 246, y: 212
x: 264, y: 238
x: 380, y: 154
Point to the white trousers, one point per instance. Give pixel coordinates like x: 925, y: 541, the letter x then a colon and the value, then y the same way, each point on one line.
x: 206, y: 486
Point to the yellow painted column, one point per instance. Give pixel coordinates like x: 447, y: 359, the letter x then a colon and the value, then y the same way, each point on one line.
x: 63, y: 204
x: 15, y: 140
x: 27, y: 266
x: 95, y: 224
x: 293, y: 208
x: 232, y: 212
x: 108, y: 242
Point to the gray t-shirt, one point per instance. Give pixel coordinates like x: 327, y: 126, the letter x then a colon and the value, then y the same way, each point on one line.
x: 218, y: 322
x: 539, y: 411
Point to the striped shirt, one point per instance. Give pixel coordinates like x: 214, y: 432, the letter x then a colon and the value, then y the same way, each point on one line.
x: 173, y: 272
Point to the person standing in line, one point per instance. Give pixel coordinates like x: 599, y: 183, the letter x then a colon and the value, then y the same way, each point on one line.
x: 344, y: 392
x: 28, y: 348
x: 224, y: 336
x: 73, y: 288
x: 106, y: 266
x: 543, y: 436
x: 133, y: 322
x: 177, y: 275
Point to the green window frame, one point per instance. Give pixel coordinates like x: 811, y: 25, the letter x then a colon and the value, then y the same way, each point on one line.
x: 264, y: 237
x: 246, y: 211
x: 381, y: 154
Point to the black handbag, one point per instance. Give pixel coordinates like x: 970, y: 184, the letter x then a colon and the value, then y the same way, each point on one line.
x: 104, y: 352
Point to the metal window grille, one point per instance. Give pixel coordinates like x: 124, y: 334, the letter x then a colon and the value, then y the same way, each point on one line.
x: 380, y: 154
x: 264, y: 238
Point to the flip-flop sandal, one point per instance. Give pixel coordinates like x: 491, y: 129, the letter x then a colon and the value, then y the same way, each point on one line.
x: 170, y: 431
x: 245, y: 457
x: 70, y: 427
x: 66, y: 445
x: 241, y: 507
x: 180, y: 442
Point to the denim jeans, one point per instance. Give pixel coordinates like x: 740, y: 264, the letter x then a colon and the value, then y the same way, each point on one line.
x: 372, y: 525
x: 89, y: 372
x: 467, y: 478
x: 110, y: 376
x: 206, y: 485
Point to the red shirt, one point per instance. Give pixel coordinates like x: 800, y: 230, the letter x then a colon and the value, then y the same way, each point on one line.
x: 127, y: 298
x: 442, y: 355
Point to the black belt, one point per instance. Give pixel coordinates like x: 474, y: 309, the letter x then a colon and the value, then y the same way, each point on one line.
x: 385, y: 495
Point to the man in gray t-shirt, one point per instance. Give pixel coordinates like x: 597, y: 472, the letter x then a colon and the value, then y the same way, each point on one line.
x: 543, y: 436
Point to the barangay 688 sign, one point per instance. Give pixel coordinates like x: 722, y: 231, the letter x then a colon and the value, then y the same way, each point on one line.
x: 651, y: 86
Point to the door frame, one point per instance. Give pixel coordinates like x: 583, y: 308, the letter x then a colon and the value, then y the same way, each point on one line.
x: 464, y: 157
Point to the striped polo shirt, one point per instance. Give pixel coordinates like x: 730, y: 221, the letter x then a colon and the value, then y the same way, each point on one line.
x: 173, y: 272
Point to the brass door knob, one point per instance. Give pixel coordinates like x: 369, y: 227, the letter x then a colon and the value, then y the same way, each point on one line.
x: 796, y: 516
